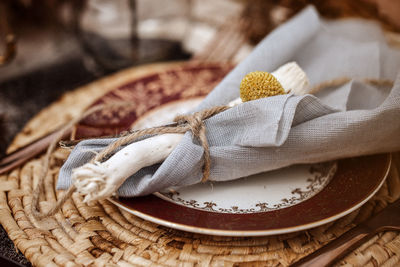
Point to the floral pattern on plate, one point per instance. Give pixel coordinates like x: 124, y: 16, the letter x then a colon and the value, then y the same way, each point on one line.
x: 269, y: 191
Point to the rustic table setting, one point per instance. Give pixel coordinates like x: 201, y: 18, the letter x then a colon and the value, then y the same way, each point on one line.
x: 101, y: 234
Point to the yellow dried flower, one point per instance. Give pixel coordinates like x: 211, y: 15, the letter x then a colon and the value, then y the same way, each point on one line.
x: 259, y: 84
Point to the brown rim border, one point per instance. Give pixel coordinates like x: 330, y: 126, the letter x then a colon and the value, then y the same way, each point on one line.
x: 149, y: 207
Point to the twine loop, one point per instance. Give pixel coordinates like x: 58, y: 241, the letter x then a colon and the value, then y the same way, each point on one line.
x: 193, y: 123
x: 198, y: 129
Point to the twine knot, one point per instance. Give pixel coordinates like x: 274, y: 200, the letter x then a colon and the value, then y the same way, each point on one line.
x: 195, y: 122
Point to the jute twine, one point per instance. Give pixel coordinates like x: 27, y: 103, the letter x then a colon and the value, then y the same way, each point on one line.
x: 100, y: 234
x: 193, y: 123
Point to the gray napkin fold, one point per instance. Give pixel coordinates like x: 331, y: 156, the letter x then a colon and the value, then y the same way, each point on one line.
x: 271, y: 133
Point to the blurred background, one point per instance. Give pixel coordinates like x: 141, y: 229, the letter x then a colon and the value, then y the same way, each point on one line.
x: 48, y: 47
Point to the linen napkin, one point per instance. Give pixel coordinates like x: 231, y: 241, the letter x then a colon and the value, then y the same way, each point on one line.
x: 271, y: 133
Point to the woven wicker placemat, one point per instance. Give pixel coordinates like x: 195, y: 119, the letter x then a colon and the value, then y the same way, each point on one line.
x: 100, y: 234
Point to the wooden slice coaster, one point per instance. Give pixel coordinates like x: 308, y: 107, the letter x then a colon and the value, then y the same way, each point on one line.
x: 100, y: 234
